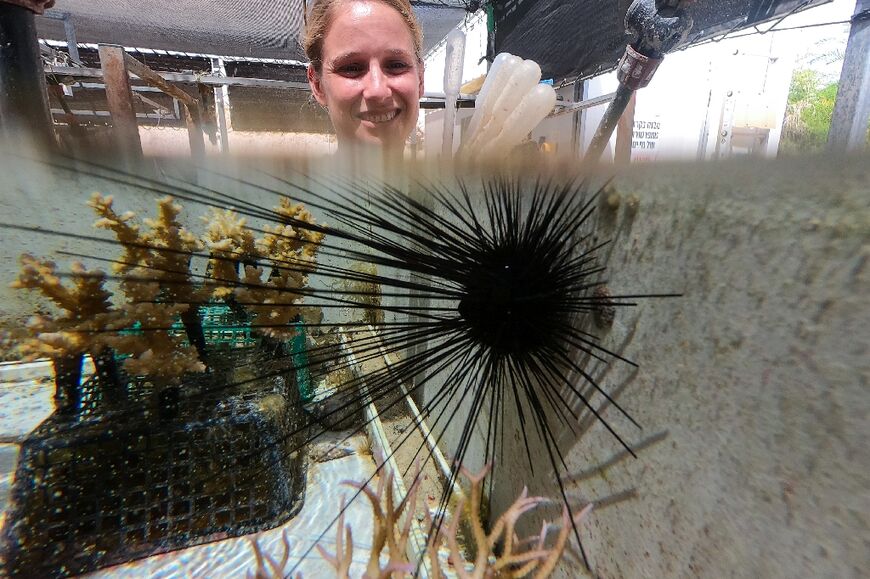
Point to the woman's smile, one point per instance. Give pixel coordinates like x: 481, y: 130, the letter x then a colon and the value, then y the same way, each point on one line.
x: 379, y: 117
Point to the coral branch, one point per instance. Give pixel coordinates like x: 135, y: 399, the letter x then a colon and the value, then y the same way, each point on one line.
x: 517, y: 558
x: 155, y: 268
x: 65, y: 338
x: 275, y: 268
x: 392, y: 529
x: 267, y: 567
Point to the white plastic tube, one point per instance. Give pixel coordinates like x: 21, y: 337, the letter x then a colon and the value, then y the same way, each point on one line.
x: 523, y: 79
x: 536, y: 105
x: 495, y: 83
x: 453, y: 64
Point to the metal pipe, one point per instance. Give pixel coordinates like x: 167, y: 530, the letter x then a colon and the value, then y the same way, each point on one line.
x: 77, y: 72
x: 24, y: 109
x: 660, y: 26
x: 608, y: 122
x: 222, y: 104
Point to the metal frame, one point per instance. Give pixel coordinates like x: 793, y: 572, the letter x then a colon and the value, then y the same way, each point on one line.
x: 211, y: 80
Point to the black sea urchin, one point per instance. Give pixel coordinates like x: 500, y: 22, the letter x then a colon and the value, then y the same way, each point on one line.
x: 509, y: 275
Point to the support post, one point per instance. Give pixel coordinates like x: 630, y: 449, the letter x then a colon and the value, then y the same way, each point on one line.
x: 120, y: 98
x: 222, y: 103
x: 578, y: 118
x: 191, y: 105
x: 71, y: 43
x: 24, y: 111
x: 625, y: 134
x: 848, y: 130
x: 194, y: 133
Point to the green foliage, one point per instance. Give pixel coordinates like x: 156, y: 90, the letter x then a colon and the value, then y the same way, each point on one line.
x: 809, y: 112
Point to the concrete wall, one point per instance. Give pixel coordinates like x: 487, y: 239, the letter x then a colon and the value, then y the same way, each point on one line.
x: 752, y: 388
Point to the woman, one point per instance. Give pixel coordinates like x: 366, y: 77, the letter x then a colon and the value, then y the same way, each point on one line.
x: 366, y: 70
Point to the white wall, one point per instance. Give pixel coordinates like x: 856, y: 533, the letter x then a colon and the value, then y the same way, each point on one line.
x: 679, y: 115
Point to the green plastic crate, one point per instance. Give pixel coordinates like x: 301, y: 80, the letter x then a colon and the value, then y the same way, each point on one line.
x: 222, y: 327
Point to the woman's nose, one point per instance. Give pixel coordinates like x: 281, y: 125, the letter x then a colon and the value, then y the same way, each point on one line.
x: 376, y: 85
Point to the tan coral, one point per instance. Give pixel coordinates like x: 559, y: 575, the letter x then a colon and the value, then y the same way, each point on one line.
x: 125, y: 229
x: 274, y: 290
x: 295, y: 246
x: 268, y: 567
x: 172, y: 247
x: 518, y: 558
x: 159, y: 255
x: 391, y: 532
x: 155, y: 268
x: 273, y: 303
x: 87, y: 296
x: 84, y: 303
x: 157, y: 352
x: 392, y: 525
x: 229, y: 242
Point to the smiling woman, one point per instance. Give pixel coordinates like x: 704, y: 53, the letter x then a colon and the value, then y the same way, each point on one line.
x: 366, y: 69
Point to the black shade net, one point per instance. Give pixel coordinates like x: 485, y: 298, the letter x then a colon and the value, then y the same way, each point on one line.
x: 581, y: 38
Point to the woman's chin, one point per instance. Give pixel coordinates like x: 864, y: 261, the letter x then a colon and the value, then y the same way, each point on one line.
x: 388, y: 139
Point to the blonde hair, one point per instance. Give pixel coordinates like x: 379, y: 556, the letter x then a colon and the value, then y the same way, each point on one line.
x: 319, y: 18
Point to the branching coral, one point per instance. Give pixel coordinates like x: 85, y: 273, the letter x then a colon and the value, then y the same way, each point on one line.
x: 529, y: 557
x: 392, y: 529
x: 500, y: 553
x: 157, y: 283
x: 126, y: 231
x: 157, y: 353
x: 85, y: 304
x: 171, y: 249
x: 275, y: 267
x: 229, y: 243
x: 268, y: 567
x: 161, y: 255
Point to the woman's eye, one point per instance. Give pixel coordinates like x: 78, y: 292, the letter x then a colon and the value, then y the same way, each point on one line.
x: 398, y: 66
x: 349, y: 69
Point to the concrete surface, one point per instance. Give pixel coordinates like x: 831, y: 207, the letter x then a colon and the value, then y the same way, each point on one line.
x: 752, y: 389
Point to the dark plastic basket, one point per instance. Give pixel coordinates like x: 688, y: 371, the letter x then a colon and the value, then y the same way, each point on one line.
x: 108, y: 486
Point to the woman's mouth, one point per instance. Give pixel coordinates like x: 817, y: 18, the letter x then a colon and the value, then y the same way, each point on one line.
x: 379, y: 117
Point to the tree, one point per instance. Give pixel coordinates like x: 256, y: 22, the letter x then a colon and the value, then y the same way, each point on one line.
x: 808, y: 114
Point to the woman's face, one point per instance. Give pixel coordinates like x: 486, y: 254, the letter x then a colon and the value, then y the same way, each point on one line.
x: 370, y: 79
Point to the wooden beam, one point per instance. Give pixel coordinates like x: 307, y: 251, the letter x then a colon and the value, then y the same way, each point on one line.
x: 192, y: 110
x: 120, y: 97
x: 157, y: 81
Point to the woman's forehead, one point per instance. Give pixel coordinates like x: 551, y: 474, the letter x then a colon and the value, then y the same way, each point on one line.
x: 362, y: 27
